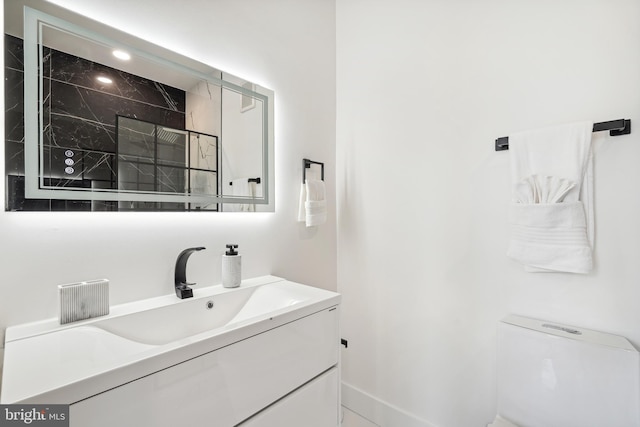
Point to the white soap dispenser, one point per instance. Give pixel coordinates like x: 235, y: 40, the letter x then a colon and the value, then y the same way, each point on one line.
x: 231, y: 267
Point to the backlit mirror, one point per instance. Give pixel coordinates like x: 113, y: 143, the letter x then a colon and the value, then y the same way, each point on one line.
x: 96, y: 119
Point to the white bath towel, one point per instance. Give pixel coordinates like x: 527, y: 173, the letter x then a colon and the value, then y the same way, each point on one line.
x: 313, y: 206
x: 551, y: 212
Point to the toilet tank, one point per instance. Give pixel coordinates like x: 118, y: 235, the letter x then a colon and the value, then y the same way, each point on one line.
x: 552, y: 375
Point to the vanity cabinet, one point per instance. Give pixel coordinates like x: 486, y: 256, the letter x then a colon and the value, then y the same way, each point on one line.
x: 285, y: 376
x: 312, y: 405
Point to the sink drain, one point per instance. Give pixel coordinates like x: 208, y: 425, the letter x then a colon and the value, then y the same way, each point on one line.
x: 209, y: 305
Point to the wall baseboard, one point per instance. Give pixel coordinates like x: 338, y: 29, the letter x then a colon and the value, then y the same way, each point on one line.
x: 378, y: 411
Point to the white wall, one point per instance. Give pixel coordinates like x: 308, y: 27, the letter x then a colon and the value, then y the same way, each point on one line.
x: 424, y: 88
x: 260, y: 41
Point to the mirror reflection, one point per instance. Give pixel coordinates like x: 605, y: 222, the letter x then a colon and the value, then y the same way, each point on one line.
x: 98, y: 120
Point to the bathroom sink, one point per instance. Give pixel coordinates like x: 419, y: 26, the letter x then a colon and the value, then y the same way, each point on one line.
x: 48, y: 362
x: 189, y: 317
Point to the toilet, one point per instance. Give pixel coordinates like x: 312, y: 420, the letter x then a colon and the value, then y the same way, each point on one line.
x: 552, y: 375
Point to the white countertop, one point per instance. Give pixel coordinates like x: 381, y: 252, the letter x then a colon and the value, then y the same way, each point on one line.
x: 45, y: 362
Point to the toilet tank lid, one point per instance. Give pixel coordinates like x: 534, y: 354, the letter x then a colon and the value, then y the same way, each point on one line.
x: 571, y: 332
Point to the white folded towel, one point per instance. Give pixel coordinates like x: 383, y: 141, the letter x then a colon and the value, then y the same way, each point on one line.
x: 313, y: 206
x: 551, y: 213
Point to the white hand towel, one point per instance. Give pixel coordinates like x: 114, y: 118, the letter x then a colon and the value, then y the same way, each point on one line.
x: 313, y: 205
x: 551, y: 213
x: 241, y: 187
x: 302, y: 212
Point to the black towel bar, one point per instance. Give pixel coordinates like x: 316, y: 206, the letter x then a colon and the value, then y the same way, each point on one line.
x: 615, y: 128
x: 256, y: 180
x: 306, y: 164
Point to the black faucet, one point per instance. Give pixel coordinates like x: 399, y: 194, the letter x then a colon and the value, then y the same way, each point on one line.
x: 182, y: 286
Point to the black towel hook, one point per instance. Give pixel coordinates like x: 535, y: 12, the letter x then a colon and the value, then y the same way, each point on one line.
x: 306, y: 163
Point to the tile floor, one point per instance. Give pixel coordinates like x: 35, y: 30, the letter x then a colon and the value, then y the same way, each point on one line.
x: 351, y: 419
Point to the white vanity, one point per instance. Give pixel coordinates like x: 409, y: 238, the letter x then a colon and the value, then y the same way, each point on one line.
x: 263, y: 354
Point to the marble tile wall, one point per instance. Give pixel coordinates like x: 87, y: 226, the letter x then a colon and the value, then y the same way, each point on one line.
x: 80, y: 132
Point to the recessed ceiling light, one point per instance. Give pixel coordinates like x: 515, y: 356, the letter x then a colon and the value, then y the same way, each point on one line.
x: 103, y: 79
x: 121, y: 54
